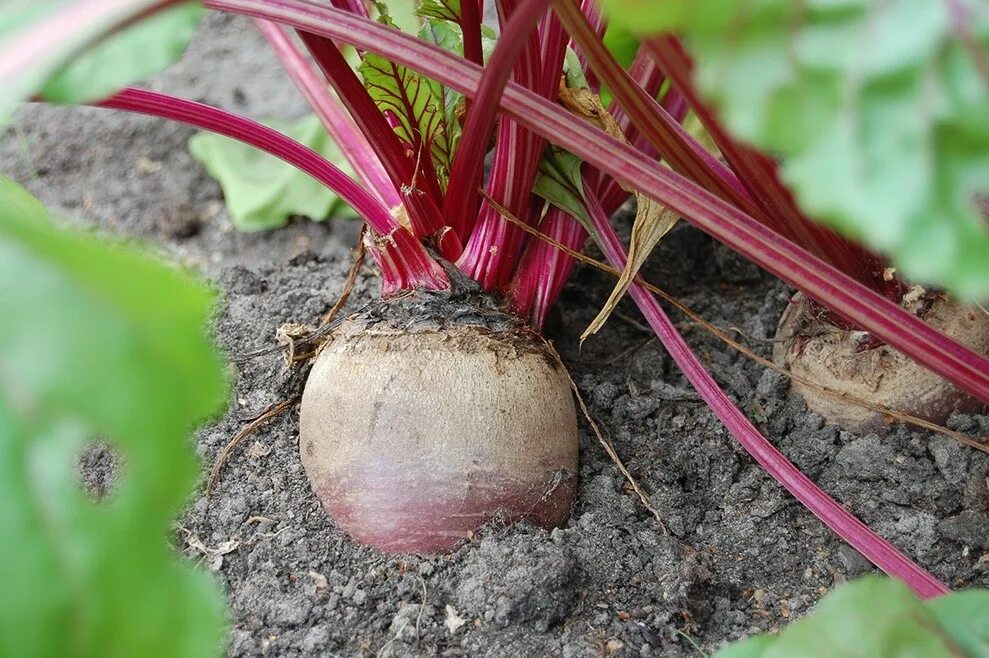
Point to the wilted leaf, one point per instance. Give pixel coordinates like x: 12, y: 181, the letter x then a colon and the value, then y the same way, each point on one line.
x: 646, y: 16
x: 98, y: 340
x: 878, y: 109
x: 261, y: 191
x: 652, y: 220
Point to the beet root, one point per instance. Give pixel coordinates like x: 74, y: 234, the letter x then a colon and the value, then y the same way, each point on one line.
x: 846, y: 362
x: 415, y: 439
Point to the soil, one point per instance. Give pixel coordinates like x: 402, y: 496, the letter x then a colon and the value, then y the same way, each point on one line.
x: 741, y: 556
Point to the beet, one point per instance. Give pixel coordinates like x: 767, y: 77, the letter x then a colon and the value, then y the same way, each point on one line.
x: 851, y: 363
x: 416, y: 432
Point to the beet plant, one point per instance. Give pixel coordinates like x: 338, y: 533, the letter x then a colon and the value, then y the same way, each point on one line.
x: 441, y: 408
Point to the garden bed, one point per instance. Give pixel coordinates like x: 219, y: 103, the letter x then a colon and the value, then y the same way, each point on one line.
x: 738, y: 556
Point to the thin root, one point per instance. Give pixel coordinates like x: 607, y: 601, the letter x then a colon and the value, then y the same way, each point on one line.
x: 246, y: 431
x: 608, y: 448
x: 348, y: 286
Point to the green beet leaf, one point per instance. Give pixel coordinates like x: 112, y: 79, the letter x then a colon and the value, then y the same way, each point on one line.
x: 964, y: 616
x: 444, y: 10
x: 558, y: 181
x: 99, y: 341
x: 880, y: 618
x: 261, y: 191
x: 74, y: 63
x: 422, y: 110
x: 878, y: 110
x: 126, y: 57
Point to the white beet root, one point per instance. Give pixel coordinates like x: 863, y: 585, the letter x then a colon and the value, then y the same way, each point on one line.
x: 830, y: 357
x: 414, y: 440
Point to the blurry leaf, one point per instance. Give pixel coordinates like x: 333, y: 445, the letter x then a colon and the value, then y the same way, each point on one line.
x: 623, y: 45
x: 98, y: 340
x: 880, y: 618
x: 965, y: 618
x: 126, y: 57
x: 652, y: 220
x: 39, y: 36
x: 646, y: 16
x: 261, y: 191
x: 879, y: 110
x: 753, y: 647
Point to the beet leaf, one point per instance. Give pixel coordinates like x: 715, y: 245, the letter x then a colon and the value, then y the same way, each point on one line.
x: 879, y: 617
x: 262, y: 191
x: 99, y: 340
x: 877, y: 109
x: 133, y: 54
x: 40, y: 38
x: 416, y: 106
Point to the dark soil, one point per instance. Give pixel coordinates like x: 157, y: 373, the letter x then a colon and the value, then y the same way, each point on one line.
x: 741, y: 555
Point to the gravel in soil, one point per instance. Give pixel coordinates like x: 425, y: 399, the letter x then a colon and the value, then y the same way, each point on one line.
x: 741, y: 555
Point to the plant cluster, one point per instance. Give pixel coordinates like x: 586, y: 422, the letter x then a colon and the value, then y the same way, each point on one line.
x: 482, y: 162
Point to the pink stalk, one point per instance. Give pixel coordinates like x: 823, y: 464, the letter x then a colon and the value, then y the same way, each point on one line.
x: 647, y: 76
x: 676, y: 104
x: 353, y: 6
x: 553, y: 41
x: 460, y: 207
x: 738, y: 230
x: 544, y: 269
x: 596, y: 20
x: 674, y: 144
x: 492, y: 252
x: 419, y: 192
x: 470, y: 29
x: 260, y: 136
x: 353, y: 144
x: 470, y: 21
x: 404, y: 264
x: 851, y: 529
x: 414, y: 269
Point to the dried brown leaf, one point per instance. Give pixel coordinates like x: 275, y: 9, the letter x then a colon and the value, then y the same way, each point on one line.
x: 652, y: 220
